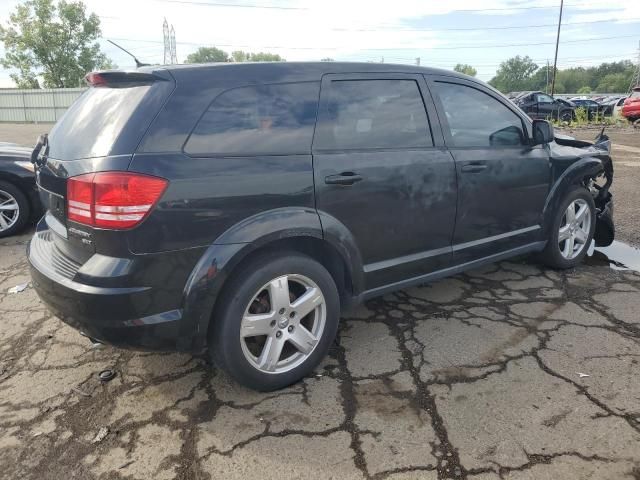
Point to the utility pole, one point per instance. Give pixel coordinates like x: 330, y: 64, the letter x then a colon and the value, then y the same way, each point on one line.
x: 555, y: 60
x: 635, y: 80
x: 172, y: 46
x: 546, y: 86
x: 167, y: 43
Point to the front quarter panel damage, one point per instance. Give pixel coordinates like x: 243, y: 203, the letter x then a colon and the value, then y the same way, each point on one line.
x: 576, y: 162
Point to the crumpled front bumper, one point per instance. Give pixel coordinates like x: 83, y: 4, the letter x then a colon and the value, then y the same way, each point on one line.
x: 605, y: 229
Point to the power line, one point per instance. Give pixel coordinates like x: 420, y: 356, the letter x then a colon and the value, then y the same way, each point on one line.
x: 279, y: 7
x: 510, y: 27
x: 399, y: 28
x: 566, y: 61
x: 232, y: 5
x: 451, y: 47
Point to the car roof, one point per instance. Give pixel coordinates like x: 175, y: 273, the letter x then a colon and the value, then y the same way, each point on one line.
x: 312, y: 69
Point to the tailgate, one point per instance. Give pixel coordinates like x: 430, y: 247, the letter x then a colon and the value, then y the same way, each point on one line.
x: 99, y: 132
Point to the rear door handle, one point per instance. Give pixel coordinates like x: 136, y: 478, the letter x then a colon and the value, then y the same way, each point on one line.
x: 344, y: 178
x: 474, y: 167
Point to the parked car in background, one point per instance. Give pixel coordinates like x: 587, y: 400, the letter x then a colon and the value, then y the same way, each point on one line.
x: 631, y: 107
x: 543, y: 106
x: 513, y: 95
x: 19, y: 202
x: 612, y: 106
x: 591, y: 106
x: 239, y: 208
x: 567, y: 103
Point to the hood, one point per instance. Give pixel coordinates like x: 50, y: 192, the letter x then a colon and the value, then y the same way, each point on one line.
x: 571, y: 149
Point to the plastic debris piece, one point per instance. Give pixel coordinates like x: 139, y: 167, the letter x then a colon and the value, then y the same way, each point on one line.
x: 106, y: 375
x: 18, y: 288
x: 583, y: 375
x: 80, y: 392
x: 102, y: 433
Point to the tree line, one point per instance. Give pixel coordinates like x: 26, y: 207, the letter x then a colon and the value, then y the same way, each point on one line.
x: 213, y: 54
x: 521, y: 73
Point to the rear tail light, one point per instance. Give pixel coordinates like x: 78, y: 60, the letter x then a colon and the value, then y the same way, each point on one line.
x: 115, y: 200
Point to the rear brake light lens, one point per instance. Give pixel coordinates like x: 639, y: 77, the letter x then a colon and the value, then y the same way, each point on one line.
x: 114, y: 200
x: 95, y: 80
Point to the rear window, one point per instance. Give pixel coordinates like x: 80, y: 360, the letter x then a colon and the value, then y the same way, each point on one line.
x: 90, y: 127
x: 260, y: 119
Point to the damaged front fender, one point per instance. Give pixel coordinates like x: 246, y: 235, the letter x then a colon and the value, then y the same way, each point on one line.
x: 576, y: 162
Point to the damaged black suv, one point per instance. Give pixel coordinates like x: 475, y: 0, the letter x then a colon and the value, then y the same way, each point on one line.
x: 239, y: 208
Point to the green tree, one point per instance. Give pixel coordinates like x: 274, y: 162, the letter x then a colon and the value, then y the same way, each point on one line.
x: 56, y: 43
x: 575, y: 78
x: 207, y: 55
x: 466, y: 69
x: 614, y: 83
x: 240, y: 56
x: 514, y: 74
x: 585, y: 89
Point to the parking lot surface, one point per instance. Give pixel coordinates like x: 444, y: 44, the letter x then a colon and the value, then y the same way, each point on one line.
x: 513, y: 371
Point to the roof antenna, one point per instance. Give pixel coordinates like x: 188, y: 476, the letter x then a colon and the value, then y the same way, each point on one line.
x: 138, y: 62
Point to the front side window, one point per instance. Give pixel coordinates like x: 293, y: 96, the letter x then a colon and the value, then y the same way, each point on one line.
x: 258, y: 120
x: 371, y: 114
x: 476, y: 119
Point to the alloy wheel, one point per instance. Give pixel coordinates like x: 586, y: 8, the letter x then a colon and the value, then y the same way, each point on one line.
x: 574, y: 229
x: 9, y: 211
x: 283, y: 323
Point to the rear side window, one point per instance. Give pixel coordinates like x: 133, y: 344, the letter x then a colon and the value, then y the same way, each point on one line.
x: 91, y: 126
x: 542, y: 98
x: 370, y: 114
x: 259, y: 119
x: 476, y: 119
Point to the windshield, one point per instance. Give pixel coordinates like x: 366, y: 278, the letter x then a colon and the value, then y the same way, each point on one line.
x: 90, y: 127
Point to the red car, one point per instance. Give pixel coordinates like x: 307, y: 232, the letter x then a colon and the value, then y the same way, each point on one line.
x: 631, y: 107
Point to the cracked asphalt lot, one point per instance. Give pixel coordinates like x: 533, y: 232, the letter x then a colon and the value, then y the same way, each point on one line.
x: 476, y: 376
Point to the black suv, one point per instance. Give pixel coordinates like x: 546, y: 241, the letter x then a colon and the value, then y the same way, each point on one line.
x: 239, y: 208
x: 541, y: 105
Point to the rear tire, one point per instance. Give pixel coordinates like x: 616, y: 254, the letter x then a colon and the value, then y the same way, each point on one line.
x: 14, y: 209
x: 275, y: 321
x: 572, y: 230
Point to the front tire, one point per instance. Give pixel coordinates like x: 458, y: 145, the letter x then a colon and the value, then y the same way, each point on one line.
x: 14, y: 209
x: 275, y: 321
x: 572, y: 230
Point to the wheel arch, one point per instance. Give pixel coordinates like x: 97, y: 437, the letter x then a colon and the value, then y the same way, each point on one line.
x: 290, y: 229
x: 575, y: 174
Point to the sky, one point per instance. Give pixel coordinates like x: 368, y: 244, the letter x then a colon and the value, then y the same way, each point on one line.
x: 441, y: 33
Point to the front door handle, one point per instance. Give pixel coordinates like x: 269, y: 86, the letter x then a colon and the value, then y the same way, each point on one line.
x: 474, y: 167
x: 344, y: 178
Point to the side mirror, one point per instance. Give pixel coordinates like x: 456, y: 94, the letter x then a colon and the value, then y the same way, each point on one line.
x: 542, y: 132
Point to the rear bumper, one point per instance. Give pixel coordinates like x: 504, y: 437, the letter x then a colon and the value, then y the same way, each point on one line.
x: 122, y: 316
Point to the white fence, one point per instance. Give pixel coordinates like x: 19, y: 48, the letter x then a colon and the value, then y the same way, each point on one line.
x: 37, y: 105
